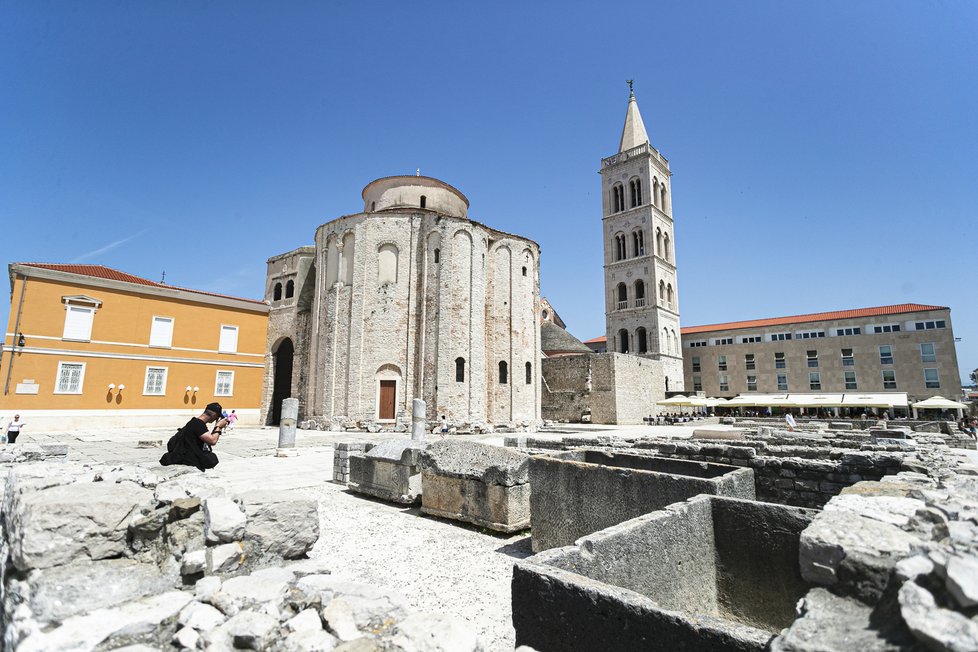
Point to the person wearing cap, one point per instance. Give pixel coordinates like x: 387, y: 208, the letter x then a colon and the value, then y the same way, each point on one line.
x: 191, y: 445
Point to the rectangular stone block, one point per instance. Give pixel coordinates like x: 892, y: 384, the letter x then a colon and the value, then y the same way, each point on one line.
x: 497, y: 507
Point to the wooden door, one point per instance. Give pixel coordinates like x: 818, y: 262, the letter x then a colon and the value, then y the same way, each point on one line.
x: 388, y: 394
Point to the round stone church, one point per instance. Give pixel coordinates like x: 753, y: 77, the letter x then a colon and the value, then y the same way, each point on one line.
x: 407, y: 299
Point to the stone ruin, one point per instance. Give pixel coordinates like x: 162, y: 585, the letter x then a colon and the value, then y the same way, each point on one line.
x: 390, y: 471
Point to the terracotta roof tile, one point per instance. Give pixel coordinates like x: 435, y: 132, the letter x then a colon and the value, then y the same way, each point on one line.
x: 100, y: 271
x: 817, y: 316
x: 597, y: 340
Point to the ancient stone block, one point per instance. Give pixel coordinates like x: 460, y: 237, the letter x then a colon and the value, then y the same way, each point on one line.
x: 390, y: 471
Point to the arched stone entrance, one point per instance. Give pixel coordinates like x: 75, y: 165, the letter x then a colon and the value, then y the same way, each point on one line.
x: 282, y: 381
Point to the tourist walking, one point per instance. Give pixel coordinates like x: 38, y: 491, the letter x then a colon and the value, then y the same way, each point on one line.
x: 790, y: 421
x: 13, y: 429
x: 232, y: 420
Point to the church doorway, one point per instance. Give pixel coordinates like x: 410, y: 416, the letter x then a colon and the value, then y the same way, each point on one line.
x: 282, y: 381
x: 387, y: 399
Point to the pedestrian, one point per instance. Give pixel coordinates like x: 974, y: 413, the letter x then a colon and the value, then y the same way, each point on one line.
x: 232, y: 421
x: 444, y: 424
x: 790, y: 421
x: 192, y: 444
x: 13, y: 429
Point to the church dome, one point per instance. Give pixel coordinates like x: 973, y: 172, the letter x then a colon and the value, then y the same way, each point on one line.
x: 389, y: 193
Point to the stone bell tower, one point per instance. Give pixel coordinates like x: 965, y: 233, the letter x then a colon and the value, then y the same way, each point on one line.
x: 641, y: 290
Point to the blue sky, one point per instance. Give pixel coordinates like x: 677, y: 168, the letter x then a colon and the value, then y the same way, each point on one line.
x: 825, y: 155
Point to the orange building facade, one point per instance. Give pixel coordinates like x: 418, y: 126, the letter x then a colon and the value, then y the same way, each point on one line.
x: 89, y: 346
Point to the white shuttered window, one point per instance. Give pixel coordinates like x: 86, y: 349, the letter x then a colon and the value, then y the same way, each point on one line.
x: 155, y: 381
x: 162, y: 332
x: 225, y: 383
x: 78, y: 322
x: 71, y: 377
x: 229, y: 339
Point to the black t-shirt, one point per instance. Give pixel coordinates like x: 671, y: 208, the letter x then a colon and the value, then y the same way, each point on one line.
x: 187, y: 448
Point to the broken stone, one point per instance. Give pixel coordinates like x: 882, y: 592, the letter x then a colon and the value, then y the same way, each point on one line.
x: 434, y: 633
x: 200, y: 616
x: 338, y: 615
x: 913, y: 567
x: 250, y: 630
x: 194, y: 562
x: 260, y: 587
x: 223, y: 520
x: 310, y: 641
x: 207, y: 586
x: 225, y: 558
x: 469, y: 459
x: 281, y: 525
x: 304, y: 621
x: 186, y: 638
x: 938, y: 629
x: 886, y: 509
x: 962, y: 580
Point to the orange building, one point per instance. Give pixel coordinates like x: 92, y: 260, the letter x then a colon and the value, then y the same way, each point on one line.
x: 89, y: 346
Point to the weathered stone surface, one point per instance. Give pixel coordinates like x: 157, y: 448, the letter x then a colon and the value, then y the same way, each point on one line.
x: 262, y: 586
x: 433, y: 633
x: 60, y: 524
x: 503, y: 508
x: 962, y: 580
x: 200, y: 616
x: 193, y: 562
x: 338, y: 616
x: 251, y: 630
x: 223, y: 520
x: 304, y: 621
x: 225, y: 558
x: 186, y: 638
x: 280, y: 524
x: 887, y: 509
x: 186, y: 535
x: 389, y: 471
x: 64, y: 591
x: 938, y: 629
x: 717, y: 433
x: 310, y: 641
x: 474, y: 460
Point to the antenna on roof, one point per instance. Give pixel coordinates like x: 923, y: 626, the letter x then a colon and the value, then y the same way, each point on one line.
x: 164, y: 276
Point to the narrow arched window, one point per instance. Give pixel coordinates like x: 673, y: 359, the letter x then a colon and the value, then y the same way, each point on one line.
x: 655, y: 191
x: 665, y: 247
x: 459, y: 370
x: 669, y: 293
x: 622, y: 294
x: 524, y: 271
x: 663, y: 199
x: 424, y: 201
x: 277, y: 292
x: 643, y: 340
x: 638, y: 192
x: 503, y: 373
x: 529, y: 373
x: 658, y: 242
x: 387, y: 264
x: 373, y: 206
x: 639, y: 289
x: 632, y: 189
x: 290, y: 289
x: 623, y: 341
x: 437, y: 256
x: 662, y: 290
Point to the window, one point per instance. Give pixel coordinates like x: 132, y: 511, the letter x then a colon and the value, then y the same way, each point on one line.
x: 723, y: 340
x: 290, y: 289
x: 622, y: 296
x: 848, y: 360
x: 638, y: 243
x: 779, y: 362
x: 277, y: 292
x: 71, y: 378
x: 78, y: 322
x: 927, y: 353
x: 721, y: 363
x: 751, y: 339
x: 751, y: 383
x: 889, y: 379
x: 810, y: 335
x: 224, y: 385
x: 783, y: 382
x: 724, y: 383
x: 623, y: 341
x: 155, y: 384
x: 886, y: 354
x: 386, y: 264
x: 529, y: 373
x: 524, y: 270
x: 503, y: 373
x: 930, y: 325
x: 780, y: 337
x: 849, y: 377
x: 639, y: 293
x: 696, y: 363
x: 643, y: 340
x: 635, y: 186
x: 814, y: 380
x: 693, y: 345
x: 617, y: 198
x: 229, y: 339
x: 812, y: 358
x: 459, y: 370
x: 437, y: 256
x: 842, y: 332
x: 749, y: 361
x: 161, y: 332
x: 932, y: 379
x: 697, y: 383
x: 424, y: 201
x: 887, y: 328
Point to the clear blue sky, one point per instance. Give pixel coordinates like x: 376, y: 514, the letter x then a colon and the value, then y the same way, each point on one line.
x: 825, y: 154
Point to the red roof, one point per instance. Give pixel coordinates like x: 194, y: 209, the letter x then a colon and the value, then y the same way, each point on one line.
x: 817, y: 316
x: 898, y: 309
x: 100, y: 271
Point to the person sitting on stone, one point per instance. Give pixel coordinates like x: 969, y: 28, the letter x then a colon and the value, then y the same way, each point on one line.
x: 191, y: 445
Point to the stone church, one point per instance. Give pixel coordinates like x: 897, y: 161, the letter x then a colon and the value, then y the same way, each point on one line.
x: 408, y: 298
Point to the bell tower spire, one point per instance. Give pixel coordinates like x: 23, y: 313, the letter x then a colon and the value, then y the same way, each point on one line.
x: 633, y: 134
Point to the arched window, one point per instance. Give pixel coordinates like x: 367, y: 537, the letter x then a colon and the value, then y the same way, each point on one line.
x: 503, y: 372
x: 643, y: 342
x: 669, y: 294
x: 437, y: 256
x: 664, y: 348
x: 638, y: 192
x: 631, y: 190
x: 620, y: 252
x: 459, y: 370
x: 639, y: 293
x: 623, y: 341
x: 664, y: 199
x: 658, y: 242
x: 618, y: 198
x: 638, y: 242
x: 387, y: 264
x: 662, y: 290
x: 622, y: 296
x: 675, y: 343
x: 346, y: 266
x: 524, y: 271
x: 529, y: 373
x: 373, y: 206
x: 424, y: 201
x: 665, y: 247
x: 290, y: 289
x: 655, y: 190
x: 277, y: 292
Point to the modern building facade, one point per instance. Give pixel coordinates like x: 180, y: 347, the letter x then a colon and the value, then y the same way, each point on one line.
x: 408, y: 298
x: 87, y: 345
x: 900, y: 348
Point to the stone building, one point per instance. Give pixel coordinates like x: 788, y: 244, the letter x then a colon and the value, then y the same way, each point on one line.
x: 905, y: 348
x: 407, y: 299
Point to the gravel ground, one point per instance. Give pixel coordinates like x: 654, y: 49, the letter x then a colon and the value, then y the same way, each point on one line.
x: 438, y: 566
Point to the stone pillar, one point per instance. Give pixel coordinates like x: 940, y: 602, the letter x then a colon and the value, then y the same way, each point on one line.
x: 286, y: 428
x: 417, y: 419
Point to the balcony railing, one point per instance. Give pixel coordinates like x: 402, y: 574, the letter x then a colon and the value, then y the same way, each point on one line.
x: 622, y: 305
x: 639, y: 302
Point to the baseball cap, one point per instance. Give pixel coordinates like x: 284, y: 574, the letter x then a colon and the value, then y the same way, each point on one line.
x: 215, y: 408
